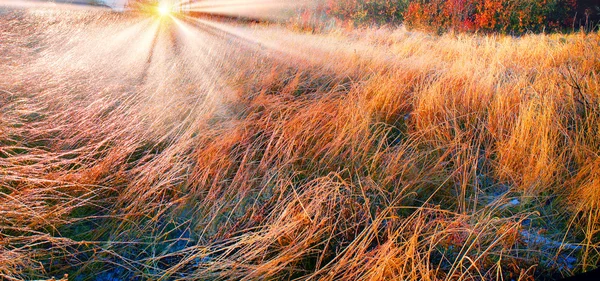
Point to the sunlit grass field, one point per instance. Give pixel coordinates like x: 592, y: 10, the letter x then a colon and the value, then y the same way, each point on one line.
x: 176, y: 148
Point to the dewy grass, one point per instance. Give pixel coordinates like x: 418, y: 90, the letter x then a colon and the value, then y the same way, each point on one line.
x: 199, y: 150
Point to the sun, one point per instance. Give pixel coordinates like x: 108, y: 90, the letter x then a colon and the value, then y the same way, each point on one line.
x: 164, y: 9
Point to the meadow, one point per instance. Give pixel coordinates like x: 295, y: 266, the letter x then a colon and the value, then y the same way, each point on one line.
x: 145, y: 148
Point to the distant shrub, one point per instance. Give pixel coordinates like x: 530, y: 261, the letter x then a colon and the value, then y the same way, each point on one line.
x: 368, y: 11
x: 508, y: 16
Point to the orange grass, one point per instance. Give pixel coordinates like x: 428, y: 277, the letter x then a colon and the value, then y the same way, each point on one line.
x: 371, y: 154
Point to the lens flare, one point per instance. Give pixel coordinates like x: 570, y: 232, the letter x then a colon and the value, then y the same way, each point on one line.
x: 164, y: 9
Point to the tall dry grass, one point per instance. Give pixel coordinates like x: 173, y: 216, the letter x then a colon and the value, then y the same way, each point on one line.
x: 368, y: 154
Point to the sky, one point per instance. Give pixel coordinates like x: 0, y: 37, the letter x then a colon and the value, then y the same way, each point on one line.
x: 115, y: 3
